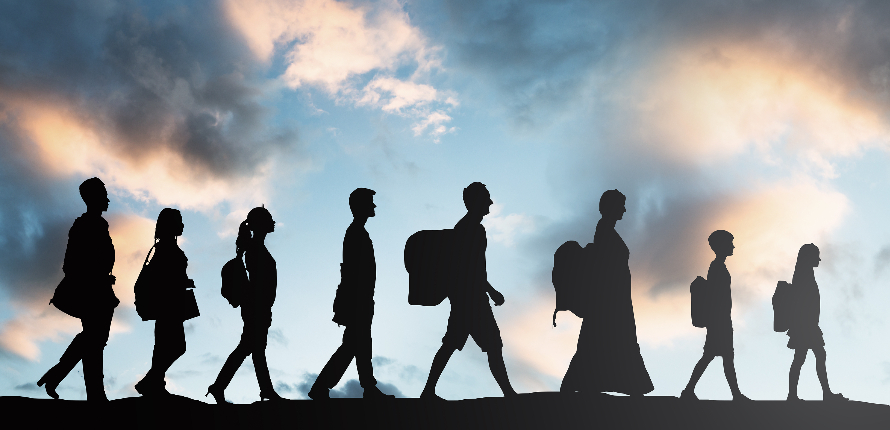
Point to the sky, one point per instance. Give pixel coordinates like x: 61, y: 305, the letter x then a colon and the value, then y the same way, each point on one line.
x: 766, y: 119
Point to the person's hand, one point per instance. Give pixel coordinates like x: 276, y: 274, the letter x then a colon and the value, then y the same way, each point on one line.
x: 496, y: 296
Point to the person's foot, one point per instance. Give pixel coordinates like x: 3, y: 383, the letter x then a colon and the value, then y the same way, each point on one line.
x: 375, y: 393
x: 431, y: 396
x: 834, y: 397
x: 793, y: 399
x: 688, y: 394
x: 319, y: 393
x: 270, y: 395
x: 218, y: 394
x: 739, y: 397
x: 151, y: 389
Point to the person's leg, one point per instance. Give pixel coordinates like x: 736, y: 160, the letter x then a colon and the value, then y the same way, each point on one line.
x: 439, y: 362
x: 821, y: 371
x: 95, y: 329
x: 335, y: 367
x: 800, y: 355
x: 729, y: 372
x: 697, y: 372
x: 169, y: 346
x: 233, y: 362
x: 73, y: 354
x: 499, y: 371
x: 258, y: 353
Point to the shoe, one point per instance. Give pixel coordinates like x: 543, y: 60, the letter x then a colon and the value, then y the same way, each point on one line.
x: 147, y: 389
x: 688, y: 395
x: 740, y: 398
x: 218, y: 395
x: 375, y: 393
x: 834, y: 397
x: 433, y: 397
x: 319, y: 394
x: 270, y: 395
x: 793, y: 399
x: 50, y: 387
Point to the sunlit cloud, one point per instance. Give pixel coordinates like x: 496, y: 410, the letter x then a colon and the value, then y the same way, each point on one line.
x: 352, y: 51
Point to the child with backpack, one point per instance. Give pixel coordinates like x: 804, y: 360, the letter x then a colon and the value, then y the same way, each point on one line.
x: 804, y: 332
x: 719, y: 323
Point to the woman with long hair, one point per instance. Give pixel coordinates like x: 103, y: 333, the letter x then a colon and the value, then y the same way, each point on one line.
x: 256, y: 305
x: 804, y: 332
x: 169, y: 283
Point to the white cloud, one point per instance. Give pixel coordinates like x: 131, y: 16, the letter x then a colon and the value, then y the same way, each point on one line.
x: 504, y: 229
x: 335, y: 45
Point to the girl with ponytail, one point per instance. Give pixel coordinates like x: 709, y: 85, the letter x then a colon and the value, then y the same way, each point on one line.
x: 256, y: 306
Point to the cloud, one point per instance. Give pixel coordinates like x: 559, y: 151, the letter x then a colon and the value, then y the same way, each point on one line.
x: 505, y: 228
x: 164, y: 106
x: 357, y: 52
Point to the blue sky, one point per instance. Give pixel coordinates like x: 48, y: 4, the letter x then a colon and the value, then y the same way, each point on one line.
x: 767, y: 119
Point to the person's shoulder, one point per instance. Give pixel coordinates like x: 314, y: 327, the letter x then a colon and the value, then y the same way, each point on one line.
x: 88, y: 223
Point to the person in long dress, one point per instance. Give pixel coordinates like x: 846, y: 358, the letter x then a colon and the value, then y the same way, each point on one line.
x: 256, y: 307
x: 608, y: 356
x: 805, y: 333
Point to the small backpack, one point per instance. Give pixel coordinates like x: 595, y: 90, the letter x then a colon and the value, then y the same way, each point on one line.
x: 145, y: 289
x: 430, y: 262
x: 234, y: 281
x: 782, y: 306
x: 700, y: 306
x: 571, y: 279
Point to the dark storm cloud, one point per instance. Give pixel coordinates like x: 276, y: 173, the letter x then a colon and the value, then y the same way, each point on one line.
x: 148, y: 78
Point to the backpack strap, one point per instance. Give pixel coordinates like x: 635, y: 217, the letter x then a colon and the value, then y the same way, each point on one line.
x: 145, y: 263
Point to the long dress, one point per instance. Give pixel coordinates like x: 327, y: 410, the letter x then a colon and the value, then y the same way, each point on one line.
x: 608, y: 356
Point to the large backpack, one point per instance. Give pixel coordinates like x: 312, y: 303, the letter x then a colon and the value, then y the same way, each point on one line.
x: 572, y: 279
x: 145, y: 289
x: 429, y: 260
x: 234, y: 281
x: 700, y: 306
x: 783, y: 303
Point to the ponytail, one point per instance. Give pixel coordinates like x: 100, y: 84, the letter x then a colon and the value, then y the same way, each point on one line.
x: 244, y: 238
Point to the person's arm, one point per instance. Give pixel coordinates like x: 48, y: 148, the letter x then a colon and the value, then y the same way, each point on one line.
x: 495, y: 295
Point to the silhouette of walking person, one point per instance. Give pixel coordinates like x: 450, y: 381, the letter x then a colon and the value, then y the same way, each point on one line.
x: 608, y: 356
x: 354, y: 303
x: 470, y: 311
x: 804, y: 332
x: 169, y: 281
x: 86, y: 293
x: 256, y: 306
x: 719, y: 337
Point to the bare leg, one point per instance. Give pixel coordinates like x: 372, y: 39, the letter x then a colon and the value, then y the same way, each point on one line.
x: 820, y: 370
x: 729, y: 372
x: 697, y: 371
x: 499, y: 371
x: 794, y: 374
x: 439, y: 362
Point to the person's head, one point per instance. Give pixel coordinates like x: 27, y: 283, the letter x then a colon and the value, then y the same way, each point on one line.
x: 361, y: 202
x: 808, y: 256
x: 612, y: 204
x: 93, y: 193
x: 259, y: 220
x: 169, y: 223
x: 477, y: 199
x: 721, y: 242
